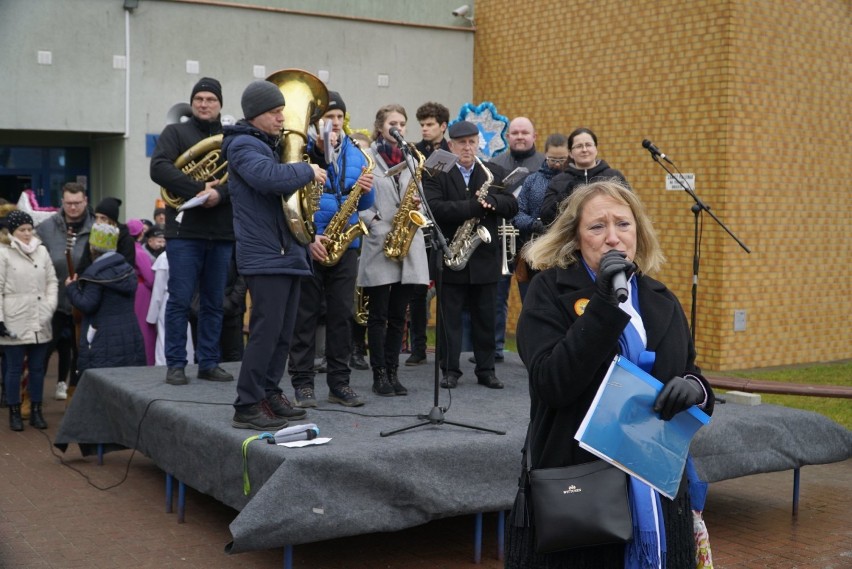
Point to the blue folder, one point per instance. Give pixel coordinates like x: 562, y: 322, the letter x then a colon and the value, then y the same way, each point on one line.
x: 622, y: 428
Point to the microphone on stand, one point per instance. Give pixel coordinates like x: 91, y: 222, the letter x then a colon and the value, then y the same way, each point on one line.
x: 394, y: 132
x: 655, y: 152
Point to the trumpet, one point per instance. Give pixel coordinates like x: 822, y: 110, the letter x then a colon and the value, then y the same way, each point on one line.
x: 508, y: 234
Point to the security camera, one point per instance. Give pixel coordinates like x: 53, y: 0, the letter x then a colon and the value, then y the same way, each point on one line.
x: 461, y: 11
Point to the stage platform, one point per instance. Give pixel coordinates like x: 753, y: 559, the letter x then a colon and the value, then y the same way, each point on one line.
x: 362, y: 482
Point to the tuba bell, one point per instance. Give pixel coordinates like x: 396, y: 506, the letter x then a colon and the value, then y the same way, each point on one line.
x: 201, y: 162
x: 306, y: 100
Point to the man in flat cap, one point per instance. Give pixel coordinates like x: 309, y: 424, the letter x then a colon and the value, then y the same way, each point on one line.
x: 269, y: 257
x: 199, y: 240
x: 454, y: 198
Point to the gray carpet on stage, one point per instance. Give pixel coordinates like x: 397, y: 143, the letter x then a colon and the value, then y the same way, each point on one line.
x: 363, y: 483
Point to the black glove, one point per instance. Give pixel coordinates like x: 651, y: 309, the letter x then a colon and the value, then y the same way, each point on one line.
x: 612, y: 263
x: 490, y: 200
x: 3, y: 330
x: 679, y: 394
x: 538, y: 227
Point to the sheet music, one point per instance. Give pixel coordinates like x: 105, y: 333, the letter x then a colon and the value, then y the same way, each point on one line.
x: 194, y: 202
x: 440, y: 161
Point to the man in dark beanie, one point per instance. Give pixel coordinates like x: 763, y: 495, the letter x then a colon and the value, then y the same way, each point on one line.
x: 199, y: 240
x: 269, y: 257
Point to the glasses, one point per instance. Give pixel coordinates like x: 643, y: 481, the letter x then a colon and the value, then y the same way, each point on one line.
x: 581, y: 146
x: 207, y: 100
x: 556, y: 160
x: 73, y: 204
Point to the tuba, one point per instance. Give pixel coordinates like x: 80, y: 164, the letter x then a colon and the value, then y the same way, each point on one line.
x: 407, y: 219
x: 307, y: 99
x: 338, y: 231
x: 470, y: 234
x: 201, y: 163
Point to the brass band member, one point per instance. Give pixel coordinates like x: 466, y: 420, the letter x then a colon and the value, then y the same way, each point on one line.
x: 452, y: 199
x: 336, y: 283
x: 199, y: 241
x: 389, y: 283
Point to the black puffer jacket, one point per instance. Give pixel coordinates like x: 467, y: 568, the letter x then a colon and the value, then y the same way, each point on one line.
x: 562, y: 185
x: 105, y: 294
x: 199, y: 222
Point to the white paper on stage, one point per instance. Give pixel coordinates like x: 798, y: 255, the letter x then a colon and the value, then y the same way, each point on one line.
x: 300, y: 444
x: 622, y: 428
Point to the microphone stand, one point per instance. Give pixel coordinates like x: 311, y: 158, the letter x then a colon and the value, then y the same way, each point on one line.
x: 435, y: 416
x: 696, y: 208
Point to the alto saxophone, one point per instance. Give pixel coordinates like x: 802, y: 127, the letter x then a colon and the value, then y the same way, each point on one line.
x: 338, y: 231
x: 407, y: 219
x: 470, y: 234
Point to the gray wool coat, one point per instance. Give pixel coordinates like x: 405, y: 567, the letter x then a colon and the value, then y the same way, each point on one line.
x: 374, y: 268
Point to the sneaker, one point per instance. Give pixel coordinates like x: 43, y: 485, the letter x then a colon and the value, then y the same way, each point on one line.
x: 176, y: 376
x: 344, y: 395
x: 61, y: 393
x: 305, y: 397
x: 258, y: 417
x: 450, y: 382
x: 415, y: 359
x: 282, y: 407
x: 215, y: 374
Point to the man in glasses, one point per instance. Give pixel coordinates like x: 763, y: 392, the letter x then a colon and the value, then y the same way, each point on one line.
x: 67, y: 230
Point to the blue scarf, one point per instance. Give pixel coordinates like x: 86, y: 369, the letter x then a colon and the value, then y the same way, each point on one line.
x: 647, y: 550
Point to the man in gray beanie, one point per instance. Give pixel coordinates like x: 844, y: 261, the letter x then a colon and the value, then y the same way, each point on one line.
x: 199, y: 240
x: 270, y: 259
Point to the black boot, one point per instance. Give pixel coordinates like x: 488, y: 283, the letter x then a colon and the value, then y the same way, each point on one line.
x: 380, y: 382
x: 15, y: 422
x: 36, y: 418
x: 393, y: 378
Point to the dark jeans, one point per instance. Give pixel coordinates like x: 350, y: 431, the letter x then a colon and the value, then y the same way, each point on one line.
x: 385, y: 323
x: 502, y: 313
x: 417, y: 324
x: 196, y: 263
x: 274, y: 305
x: 36, y: 359
x: 65, y: 346
x: 335, y: 285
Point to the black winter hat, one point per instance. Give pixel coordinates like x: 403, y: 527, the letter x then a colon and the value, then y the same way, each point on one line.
x: 109, y: 207
x: 335, y: 102
x: 17, y: 218
x: 259, y: 97
x: 209, y: 85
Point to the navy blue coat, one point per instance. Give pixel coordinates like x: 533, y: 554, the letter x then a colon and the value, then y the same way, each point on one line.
x: 258, y: 180
x: 105, y: 294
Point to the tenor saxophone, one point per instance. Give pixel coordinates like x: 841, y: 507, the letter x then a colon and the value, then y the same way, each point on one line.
x: 338, y: 231
x: 470, y: 234
x: 407, y: 219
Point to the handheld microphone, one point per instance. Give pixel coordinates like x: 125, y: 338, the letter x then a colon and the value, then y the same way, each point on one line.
x: 394, y: 132
x: 649, y: 146
x: 619, y: 285
x: 306, y: 432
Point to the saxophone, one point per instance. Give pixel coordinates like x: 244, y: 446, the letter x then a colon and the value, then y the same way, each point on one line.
x: 470, y: 234
x: 338, y: 231
x: 407, y: 219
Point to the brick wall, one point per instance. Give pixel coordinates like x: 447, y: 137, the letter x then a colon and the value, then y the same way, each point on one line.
x: 753, y: 97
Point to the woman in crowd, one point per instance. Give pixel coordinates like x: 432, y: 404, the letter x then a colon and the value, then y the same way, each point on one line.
x: 144, y: 286
x: 583, y: 167
x: 531, y: 196
x: 571, y: 326
x: 30, y: 293
x: 388, y: 282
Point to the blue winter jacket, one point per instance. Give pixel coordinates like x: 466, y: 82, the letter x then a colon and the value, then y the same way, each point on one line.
x: 257, y: 180
x: 350, y: 162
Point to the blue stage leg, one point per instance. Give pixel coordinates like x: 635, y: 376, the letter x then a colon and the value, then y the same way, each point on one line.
x: 169, y: 493
x: 181, y: 501
x: 288, y: 557
x: 477, y: 538
x: 501, y: 530
x: 100, y: 454
x: 796, y: 473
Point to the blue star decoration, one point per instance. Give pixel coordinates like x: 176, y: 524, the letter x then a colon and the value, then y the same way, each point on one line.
x: 491, y: 124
